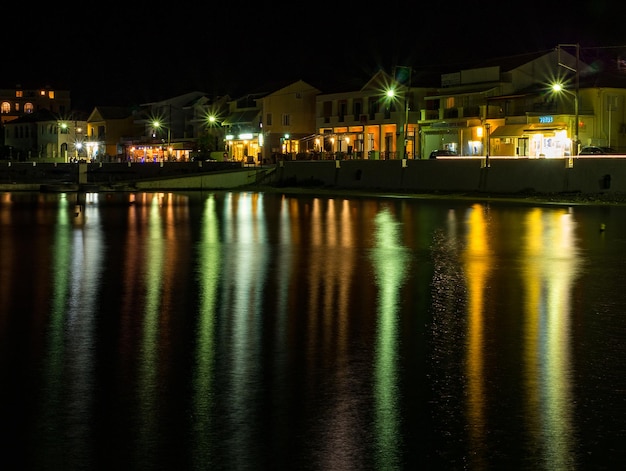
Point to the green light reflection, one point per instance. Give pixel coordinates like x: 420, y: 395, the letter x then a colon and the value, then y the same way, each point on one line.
x: 209, y: 269
x: 389, y: 259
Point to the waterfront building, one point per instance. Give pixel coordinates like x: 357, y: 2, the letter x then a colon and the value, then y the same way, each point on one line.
x: 508, y: 107
x: 379, y: 121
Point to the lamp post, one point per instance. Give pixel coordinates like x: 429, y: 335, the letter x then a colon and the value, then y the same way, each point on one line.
x: 557, y: 87
x: 157, y: 125
x: 574, y: 69
x: 391, y: 94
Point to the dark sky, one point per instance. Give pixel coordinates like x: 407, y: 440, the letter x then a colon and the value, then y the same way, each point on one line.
x: 119, y: 57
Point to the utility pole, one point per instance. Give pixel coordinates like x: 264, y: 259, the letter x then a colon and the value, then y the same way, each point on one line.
x: 576, y: 70
x: 402, y: 76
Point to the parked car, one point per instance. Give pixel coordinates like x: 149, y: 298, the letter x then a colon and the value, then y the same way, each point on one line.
x: 597, y: 150
x: 442, y: 152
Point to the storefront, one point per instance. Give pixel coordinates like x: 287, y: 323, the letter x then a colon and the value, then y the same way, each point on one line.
x: 535, y: 140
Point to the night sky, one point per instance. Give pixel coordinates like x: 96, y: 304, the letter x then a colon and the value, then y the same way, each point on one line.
x: 123, y: 57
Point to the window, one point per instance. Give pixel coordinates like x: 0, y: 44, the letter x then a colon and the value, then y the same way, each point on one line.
x: 28, y: 107
x: 51, y: 94
x: 373, y: 106
x: 343, y: 110
x: 19, y: 93
x: 268, y: 119
x: 5, y: 107
x: 286, y: 120
x: 327, y: 110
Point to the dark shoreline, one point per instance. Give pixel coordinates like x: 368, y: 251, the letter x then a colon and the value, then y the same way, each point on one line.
x: 522, y: 198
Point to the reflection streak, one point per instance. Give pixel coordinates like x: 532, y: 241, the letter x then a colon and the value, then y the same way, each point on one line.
x: 148, y: 368
x: 389, y: 259
x: 208, y: 275
x: 477, y: 261
x: 550, y: 265
x: 76, y: 272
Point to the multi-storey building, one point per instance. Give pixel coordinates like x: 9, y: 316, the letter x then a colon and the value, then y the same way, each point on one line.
x: 288, y: 120
x: 503, y: 108
x: 379, y: 121
x: 29, y: 105
x: 43, y: 135
x: 18, y: 101
x: 510, y: 108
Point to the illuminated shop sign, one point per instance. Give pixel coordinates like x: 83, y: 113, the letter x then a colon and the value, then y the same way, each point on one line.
x: 546, y: 119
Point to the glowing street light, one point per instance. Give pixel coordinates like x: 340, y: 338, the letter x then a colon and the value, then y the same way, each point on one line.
x: 557, y: 87
x: 156, y: 124
x: 402, y: 77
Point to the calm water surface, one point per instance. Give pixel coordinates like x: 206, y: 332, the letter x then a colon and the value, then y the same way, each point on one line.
x: 247, y: 331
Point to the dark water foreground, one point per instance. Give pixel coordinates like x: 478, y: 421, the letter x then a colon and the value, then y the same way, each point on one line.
x: 243, y: 330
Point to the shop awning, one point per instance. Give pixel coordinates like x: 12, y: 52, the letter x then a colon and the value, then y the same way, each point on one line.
x: 510, y: 130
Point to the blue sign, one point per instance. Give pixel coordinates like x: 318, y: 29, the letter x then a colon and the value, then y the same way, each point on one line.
x: 546, y: 119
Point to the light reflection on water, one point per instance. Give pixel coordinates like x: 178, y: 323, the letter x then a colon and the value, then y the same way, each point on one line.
x: 242, y: 330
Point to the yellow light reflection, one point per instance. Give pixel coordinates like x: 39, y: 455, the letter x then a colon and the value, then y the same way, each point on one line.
x: 551, y: 264
x: 329, y: 284
x: 477, y: 261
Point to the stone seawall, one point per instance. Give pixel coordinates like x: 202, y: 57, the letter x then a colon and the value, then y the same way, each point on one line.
x: 33, y: 176
x: 571, y: 175
x: 590, y: 175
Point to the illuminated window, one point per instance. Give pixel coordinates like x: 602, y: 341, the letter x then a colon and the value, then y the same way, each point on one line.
x: 42, y: 92
x: 5, y: 107
x: 51, y: 94
x: 17, y: 107
x: 19, y: 93
x: 28, y: 108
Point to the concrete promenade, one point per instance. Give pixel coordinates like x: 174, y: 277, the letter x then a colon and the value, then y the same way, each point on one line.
x: 36, y: 176
x: 577, y: 175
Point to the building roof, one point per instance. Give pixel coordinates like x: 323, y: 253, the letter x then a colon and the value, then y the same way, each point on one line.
x: 110, y: 112
x: 38, y: 116
x: 241, y: 117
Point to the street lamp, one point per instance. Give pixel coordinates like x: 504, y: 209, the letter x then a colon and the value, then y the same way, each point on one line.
x: 214, y: 130
x: 392, y: 95
x: 557, y: 87
x: 157, y: 125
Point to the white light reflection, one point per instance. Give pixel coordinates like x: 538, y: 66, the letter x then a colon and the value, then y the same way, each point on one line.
x: 550, y: 265
x: 148, y: 366
x: 76, y: 273
x: 389, y: 259
x: 284, y: 260
x: 244, y: 282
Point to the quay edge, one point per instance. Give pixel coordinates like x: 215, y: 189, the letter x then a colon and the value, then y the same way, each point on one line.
x: 575, y: 175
